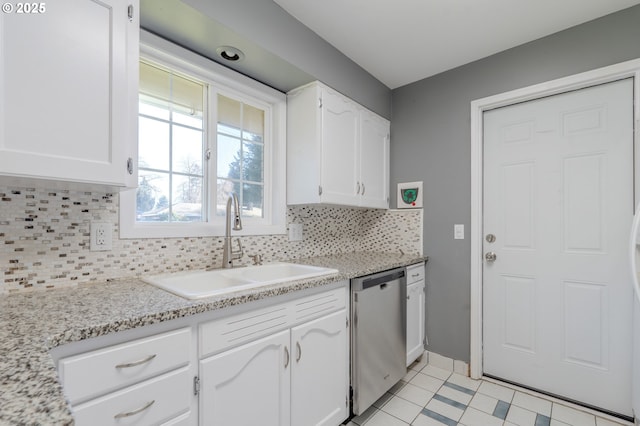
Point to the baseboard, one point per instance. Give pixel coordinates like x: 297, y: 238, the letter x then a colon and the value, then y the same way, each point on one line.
x: 449, y: 364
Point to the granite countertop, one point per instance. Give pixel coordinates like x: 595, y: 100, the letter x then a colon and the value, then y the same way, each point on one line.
x: 31, y: 324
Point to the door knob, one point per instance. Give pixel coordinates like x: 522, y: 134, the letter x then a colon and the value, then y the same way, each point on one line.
x: 490, y: 256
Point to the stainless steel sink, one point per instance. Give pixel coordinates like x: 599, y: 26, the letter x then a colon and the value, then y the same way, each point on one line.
x: 200, y: 284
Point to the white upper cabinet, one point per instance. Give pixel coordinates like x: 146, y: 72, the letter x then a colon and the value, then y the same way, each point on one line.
x: 374, y: 160
x: 337, y: 150
x: 68, y: 92
x: 339, y: 153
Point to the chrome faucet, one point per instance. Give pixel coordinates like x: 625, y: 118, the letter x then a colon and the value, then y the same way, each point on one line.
x: 229, y: 255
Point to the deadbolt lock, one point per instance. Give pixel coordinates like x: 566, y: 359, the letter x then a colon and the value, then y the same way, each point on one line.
x: 490, y: 238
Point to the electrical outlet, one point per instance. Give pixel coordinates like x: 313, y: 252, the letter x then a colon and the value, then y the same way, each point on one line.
x: 295, y: 232
x: 101, y: 236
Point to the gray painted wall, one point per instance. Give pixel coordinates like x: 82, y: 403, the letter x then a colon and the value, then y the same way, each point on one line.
x: 431, y: 142
x: 268, y: 25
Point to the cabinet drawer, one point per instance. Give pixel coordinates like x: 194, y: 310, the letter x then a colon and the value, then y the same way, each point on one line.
x: 154, y: 401
x: 415, y: 273
x: 95, y: 373
x: 224, y: 333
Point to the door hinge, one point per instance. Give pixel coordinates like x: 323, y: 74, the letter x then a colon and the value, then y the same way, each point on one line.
x: 196, y: 385
x: 320, y: 102
x: 130, y: 12
x: 130, y: 165
x: 319, y: 190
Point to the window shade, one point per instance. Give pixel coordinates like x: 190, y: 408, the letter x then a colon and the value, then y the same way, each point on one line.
x: 171, y: 88
x: 236, y: 114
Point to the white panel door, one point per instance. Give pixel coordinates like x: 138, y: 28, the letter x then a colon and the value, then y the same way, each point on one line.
x: 248, y: 385
x: 320, y: 371
x: 66, y: 86
x: 339, y: 149
x: 558, y: 196
x: 373, y: 185
x: 415, y: 321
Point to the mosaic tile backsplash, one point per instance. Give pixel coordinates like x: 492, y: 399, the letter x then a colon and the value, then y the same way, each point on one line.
x: 44, y: 239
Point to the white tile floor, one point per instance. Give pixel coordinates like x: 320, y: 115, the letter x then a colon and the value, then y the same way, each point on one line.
x: 432, y: 396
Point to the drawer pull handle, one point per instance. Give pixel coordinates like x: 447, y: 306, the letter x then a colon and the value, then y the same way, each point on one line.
x: 299, y: 352
x: 134, y: 412
x: 135, y: 363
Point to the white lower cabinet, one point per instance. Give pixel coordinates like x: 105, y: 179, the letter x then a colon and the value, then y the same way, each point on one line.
x: 320, y: 371
x: 294, y: 377
x: 156, y: 401
x: 247, y: 385
x: 297, y: 376
x: 415, y: 312
x: 145, y: 381
x: 278, y: 364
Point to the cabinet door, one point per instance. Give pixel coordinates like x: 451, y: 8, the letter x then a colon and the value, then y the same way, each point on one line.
x: 415, y: 321
x: 374, y: 160
x: 320, y: 371
x: 339, y: 149
x: 248, y: 385
x: 66, y: 83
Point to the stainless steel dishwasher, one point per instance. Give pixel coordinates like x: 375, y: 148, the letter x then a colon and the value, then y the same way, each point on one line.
x: 378, y: 348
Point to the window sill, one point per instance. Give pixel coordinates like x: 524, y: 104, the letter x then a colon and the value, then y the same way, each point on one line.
x: 130, y: 229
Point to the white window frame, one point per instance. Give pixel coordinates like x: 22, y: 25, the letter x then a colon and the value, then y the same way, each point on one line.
x: 232, y: 84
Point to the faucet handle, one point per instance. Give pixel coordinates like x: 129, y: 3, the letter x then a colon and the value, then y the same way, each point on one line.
x: 257, y: 259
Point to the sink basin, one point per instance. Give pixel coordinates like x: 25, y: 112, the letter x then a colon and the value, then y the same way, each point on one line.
x: 200, y: 284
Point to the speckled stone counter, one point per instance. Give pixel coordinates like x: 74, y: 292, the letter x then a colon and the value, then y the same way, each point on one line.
x: 31, y: 324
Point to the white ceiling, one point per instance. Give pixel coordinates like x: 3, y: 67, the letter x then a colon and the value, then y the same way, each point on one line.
x: 402, y: 41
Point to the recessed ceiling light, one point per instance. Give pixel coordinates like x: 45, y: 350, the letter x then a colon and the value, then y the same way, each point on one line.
x: 230, y: 53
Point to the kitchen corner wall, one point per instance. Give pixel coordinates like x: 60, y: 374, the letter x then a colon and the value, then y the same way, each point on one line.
x: 44, y: 239
x: 431, y: 142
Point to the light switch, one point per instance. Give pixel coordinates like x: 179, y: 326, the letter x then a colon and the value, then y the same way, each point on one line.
x: 458, y: 231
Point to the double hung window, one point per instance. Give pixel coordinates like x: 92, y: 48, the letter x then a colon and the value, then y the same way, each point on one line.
x: 199, y: 140
x: 172, y: 185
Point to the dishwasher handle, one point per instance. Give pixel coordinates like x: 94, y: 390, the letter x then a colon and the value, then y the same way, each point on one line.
x: 382, y: 279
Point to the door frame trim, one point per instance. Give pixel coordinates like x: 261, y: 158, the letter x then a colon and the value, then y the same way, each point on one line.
x: 478, y: 107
